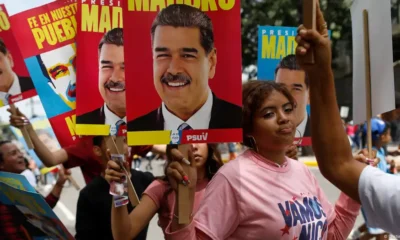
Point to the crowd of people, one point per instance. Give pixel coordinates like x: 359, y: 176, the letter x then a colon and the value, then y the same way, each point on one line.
x: 263, y: 192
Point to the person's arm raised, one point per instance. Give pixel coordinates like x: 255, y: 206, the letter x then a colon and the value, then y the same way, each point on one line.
x: 330, y: 142
x: 48, y: 158
x: 124, y: 225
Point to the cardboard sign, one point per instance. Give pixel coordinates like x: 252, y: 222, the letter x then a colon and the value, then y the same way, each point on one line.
x: 46, y: 36
x: 101, y: 108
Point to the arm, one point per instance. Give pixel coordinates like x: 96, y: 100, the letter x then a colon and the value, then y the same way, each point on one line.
x: 48, y: 158
x: 217, y: 217
x: 55, y: 194
x: 126, y: 226
x: 330, y: 143
x: 159, y: 149
x: 341, y: 218
x: 380, y: 198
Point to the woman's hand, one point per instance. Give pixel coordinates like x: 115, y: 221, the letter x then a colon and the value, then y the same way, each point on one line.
x: 292, y: 152
x: 18, y: 119
x: 114, y: 172
x: 316, y: 41
x: 62, y: 176
x: 179, y: 171
x: 362, y: 157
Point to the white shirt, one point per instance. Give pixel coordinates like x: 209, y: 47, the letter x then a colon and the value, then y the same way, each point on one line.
x: 380, y: 198
x: 199, y: 120
x: 30, y: 177
x: 302, y: 127
x: 15, y: 89
x: 111, y: 119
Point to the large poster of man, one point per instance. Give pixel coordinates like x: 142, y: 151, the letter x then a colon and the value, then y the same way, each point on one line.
x: 15, y: 82
x: 46, y: 36
x: 101, y: 108
x: 277, y: 62
x: 185, y: 63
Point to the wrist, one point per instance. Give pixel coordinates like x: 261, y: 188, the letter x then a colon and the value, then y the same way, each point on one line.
x: 61, y: 185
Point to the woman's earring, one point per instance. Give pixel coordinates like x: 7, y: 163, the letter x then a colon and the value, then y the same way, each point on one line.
x: 253, y: 143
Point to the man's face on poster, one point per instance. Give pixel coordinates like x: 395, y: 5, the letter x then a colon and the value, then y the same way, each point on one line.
x: 60, y: 66
x: 181, y: 66
x: 294, y: 80
x: 112, y: 76
x: 6, y: 72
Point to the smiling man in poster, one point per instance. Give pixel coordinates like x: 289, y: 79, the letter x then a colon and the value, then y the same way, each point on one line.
x: 184, y: 61
x: 111, y: 83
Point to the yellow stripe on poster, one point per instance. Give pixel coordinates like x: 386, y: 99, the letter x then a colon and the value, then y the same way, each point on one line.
x: 92, y: 129
x: 148, y: 138
x: 45, y: 170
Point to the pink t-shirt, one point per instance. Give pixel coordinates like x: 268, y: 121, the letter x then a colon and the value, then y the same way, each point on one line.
x: 156, y: 191
x: 250, y: 198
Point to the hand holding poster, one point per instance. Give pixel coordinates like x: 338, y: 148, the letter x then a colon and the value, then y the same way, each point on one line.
x: 30, y: 215
x: 193, y: 97
x: 15, y: 83
x: 277, y: 61
x: 101, y: 108
x: 46, y: 38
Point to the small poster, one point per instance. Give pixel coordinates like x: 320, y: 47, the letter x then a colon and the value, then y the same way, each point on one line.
x: 46, y: 36
x: 15, y: 82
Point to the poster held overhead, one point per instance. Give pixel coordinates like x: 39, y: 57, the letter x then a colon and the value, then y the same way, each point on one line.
x: 101, y: 108
x: 193, y: 96
x: 50, y: 58
x: 15, y: 82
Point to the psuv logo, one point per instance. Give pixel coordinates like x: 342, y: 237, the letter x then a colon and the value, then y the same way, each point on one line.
x: 197, y: 137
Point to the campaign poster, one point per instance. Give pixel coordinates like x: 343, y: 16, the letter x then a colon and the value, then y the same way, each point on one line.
x: 277, y: 62
x: 100, y: 108
x: 185, y: 65
x: 17, y: 181
x: 31, y: 215
x: 15, y: 82
x: 46, y: 36
x: 45, y: 133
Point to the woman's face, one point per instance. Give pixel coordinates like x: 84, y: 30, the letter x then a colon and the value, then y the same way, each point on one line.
x: 200, y: 153
x: 273, y: 123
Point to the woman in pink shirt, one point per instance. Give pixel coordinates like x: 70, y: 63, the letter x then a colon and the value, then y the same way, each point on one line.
x: 159, y: 197
x: 262, y: 194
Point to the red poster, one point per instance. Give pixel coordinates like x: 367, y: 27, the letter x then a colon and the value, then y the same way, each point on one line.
x: 185, y: 70
x: 101, y: 108
x: 15, y: 82
x: 46, y: 36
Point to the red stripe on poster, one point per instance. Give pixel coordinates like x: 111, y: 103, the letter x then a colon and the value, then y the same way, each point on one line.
x: 212, y: 136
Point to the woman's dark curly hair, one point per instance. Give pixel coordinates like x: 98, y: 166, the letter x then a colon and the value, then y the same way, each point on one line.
x: 253, y: 96
x: 213, y: 163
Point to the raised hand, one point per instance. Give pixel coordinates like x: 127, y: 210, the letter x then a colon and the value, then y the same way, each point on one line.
x: 18, y: 119
x: 179, y: 171
x: 316, y: 41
